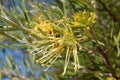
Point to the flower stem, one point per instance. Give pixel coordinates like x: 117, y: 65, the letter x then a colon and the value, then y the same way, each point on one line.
x: 109, y: 65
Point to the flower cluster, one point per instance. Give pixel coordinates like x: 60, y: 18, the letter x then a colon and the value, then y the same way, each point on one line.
x: 59, y: 39
x: 42, y: 27
x: 84, y: 19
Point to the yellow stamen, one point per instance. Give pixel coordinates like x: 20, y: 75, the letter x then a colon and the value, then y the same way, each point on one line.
x: 66, y: 60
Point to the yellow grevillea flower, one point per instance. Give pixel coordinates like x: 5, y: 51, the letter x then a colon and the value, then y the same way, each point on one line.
x: 84, y: 18
x: 43, y: 27
x: 60, y: 39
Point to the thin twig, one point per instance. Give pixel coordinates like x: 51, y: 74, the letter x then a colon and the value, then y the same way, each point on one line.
x: 105, y: 56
